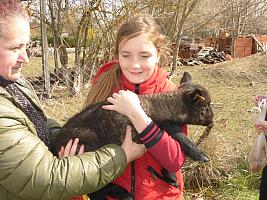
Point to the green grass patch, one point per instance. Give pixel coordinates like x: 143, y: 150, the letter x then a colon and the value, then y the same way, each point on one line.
x: 241, y: 185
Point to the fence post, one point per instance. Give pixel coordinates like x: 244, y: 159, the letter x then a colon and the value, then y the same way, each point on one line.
x: 44, y: 43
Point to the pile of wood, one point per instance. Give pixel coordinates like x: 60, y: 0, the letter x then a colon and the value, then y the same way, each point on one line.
x: 212, y: 58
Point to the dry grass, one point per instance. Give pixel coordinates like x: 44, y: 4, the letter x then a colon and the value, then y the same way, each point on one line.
x: 232, y: 86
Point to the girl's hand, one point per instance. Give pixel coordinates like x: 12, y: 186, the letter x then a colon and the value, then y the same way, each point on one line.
x: 127, y: 103
x: 124, y: 102
x: 132, y: 150
x: 70, y: 149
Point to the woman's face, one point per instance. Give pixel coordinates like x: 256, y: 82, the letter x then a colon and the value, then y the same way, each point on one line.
x: 13, y: 49
x: 138, y: 57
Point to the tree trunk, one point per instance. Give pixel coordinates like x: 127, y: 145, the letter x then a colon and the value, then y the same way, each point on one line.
x: 63, y: 55
x: 45, y: 66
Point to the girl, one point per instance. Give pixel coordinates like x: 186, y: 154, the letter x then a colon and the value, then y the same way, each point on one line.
x: 139, y: 48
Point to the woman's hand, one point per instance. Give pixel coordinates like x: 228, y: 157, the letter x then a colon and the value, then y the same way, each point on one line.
x: 132, y: 149
x: 127, y: 103
x: 70, y: 148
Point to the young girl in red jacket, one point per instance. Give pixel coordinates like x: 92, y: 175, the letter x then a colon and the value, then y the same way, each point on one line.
x: 139, y: 49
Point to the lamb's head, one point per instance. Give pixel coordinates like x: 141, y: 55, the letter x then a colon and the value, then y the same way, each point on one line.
x: 198, y: 106
x: 197, y: 101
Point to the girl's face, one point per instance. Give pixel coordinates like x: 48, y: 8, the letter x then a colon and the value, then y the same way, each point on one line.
x: 138, y: 57
x: 13, y: 49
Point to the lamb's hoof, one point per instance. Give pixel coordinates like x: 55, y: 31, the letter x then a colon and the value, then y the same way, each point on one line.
x: 204, y: 158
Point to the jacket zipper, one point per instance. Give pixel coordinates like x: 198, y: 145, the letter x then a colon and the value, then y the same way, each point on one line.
x: 136, y: 90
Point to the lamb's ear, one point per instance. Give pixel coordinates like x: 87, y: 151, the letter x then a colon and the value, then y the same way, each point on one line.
x: 196, y: 95
x: 186, y: 79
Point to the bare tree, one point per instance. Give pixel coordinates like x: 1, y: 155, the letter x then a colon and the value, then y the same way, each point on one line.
x: 93, y: 25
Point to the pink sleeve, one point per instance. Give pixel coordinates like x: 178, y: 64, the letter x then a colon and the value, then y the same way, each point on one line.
x: 163, y: 147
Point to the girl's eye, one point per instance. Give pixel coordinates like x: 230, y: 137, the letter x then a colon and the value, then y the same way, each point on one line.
x: 145, y: 56
x: 125, y: 56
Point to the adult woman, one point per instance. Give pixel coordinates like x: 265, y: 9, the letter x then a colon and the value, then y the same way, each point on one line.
x: 139, y: 48
x: 28, y: 170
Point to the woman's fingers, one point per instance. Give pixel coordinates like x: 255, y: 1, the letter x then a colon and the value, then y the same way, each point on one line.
x: 132, y: 149
x: 67, y: 148
x: 74, y: 147
x: 70, y: 149
x: 61, y: 152
x: 128, y: 135
x: 81, y: 150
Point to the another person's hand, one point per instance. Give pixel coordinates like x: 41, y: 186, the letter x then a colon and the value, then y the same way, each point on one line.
x: 70, y: 148
x: 132, y: 149
x: 258, y: 98
x: 261, y: 126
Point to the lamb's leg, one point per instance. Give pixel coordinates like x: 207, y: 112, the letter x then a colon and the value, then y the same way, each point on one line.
x: 190, y: 149
x: 165, y: 176
x: 111, y: 190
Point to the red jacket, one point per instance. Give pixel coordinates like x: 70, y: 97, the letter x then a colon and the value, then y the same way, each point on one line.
x: 163, y: 151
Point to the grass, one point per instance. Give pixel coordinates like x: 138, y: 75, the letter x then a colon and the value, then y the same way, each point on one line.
x: 240, y: 184
x: 232, y: 86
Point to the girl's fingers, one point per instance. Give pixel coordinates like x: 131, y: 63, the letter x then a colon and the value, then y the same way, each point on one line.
x: 111, y: 106
x: 115, y: 95
x: 109, y: 99
x: 108, y: 107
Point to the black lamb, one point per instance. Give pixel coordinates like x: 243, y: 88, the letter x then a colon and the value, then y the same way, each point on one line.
x: 96, y: 127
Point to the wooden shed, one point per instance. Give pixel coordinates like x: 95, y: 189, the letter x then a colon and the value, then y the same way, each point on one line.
x: 244, y: 45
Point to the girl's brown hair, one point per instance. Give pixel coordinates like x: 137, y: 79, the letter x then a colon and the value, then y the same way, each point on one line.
x: 102, y: 89
x: 134, y: 26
